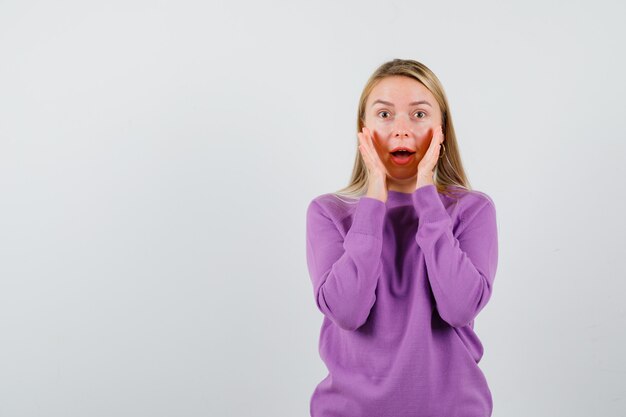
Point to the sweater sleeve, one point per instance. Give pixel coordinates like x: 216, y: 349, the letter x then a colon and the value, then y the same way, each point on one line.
x: 345, y: 271
x: 461, y: 270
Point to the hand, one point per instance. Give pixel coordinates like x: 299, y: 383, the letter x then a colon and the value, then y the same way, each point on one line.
x: 427, y: 165
x: 377, y: 173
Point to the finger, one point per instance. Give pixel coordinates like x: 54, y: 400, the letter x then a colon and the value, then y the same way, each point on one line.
x: 434, y: 142
x: 366, y: 142
x: 439, y: 140
x: 370, y: 143
x: 373, y: 152
x: 364, y: 156
x: 433, y: 149
x: 361, y: 144
x: 367, y: 136
x: 364, y: 150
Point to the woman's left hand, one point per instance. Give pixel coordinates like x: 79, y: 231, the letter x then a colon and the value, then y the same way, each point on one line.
x: 427, y: 165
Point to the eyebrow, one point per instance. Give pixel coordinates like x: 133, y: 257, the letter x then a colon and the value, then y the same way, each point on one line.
x: 410, y: 104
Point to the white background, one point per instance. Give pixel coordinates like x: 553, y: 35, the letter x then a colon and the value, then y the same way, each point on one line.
x: 157, y: 159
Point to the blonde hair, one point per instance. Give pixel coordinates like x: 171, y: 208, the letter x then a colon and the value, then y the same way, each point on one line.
x: 448, y: 173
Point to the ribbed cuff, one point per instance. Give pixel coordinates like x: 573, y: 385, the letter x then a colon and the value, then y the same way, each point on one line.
x: 428, y: 204
x: 369, y: 217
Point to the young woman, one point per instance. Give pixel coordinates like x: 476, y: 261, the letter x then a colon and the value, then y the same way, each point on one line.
x: 402, y: 260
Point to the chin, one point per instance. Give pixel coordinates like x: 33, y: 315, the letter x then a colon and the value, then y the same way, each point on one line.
x: 402, y: 175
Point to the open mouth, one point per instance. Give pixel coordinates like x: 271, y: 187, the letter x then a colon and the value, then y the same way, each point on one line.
x: 402, y: 153
x: 402, y: 157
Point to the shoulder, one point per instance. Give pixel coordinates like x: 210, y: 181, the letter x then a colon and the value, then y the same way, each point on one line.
x: 332, y: 205
x: 473, y: 202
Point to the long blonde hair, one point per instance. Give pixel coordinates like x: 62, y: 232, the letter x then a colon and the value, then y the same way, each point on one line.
x: 449, y: 175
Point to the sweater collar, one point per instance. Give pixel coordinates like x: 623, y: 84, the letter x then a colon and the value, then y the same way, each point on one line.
x: 398, y: 198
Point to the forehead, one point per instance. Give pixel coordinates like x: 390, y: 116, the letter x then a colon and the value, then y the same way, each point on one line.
x: 400, y: 90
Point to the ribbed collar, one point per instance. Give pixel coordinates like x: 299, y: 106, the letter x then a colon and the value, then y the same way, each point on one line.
x: 398, y: 198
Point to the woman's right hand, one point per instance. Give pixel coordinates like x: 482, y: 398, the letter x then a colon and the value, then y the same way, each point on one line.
x: 377, y: 173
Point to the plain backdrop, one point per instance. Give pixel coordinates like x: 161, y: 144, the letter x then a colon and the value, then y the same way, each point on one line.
x: 157, y: 159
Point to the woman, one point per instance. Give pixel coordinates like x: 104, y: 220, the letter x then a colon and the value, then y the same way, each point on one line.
x: 402, y: 260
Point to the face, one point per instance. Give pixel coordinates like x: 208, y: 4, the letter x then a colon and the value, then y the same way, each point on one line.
x: 400, y: 111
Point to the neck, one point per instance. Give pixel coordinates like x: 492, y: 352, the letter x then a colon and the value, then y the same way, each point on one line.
x: 407, y: 185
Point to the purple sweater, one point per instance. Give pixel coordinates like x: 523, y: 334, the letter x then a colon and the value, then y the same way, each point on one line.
x: 400, y: 284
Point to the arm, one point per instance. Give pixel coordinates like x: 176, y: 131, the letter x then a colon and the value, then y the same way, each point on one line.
x: 345, y: 272
x: 461, y: 270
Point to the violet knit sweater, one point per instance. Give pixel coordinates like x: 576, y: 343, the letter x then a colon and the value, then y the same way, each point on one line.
x: 400, y: 284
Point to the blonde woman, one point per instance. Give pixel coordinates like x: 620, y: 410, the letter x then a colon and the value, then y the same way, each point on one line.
x: 402, y: 260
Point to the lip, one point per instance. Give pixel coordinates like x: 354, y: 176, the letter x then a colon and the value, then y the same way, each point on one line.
x: 402, y: 148
x: 402, y: 161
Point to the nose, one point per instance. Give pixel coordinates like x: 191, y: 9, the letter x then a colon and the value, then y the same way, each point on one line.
x: 401, y: 128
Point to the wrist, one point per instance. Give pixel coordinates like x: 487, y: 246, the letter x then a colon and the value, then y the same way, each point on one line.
x: 423, y: 180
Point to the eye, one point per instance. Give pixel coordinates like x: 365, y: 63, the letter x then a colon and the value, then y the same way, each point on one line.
x: 424, y: 114
x: 383, y: 111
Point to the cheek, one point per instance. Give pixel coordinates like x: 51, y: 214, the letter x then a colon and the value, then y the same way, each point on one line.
x: 423, y: 130
x: 423, y: 142
x: 380, y: 144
